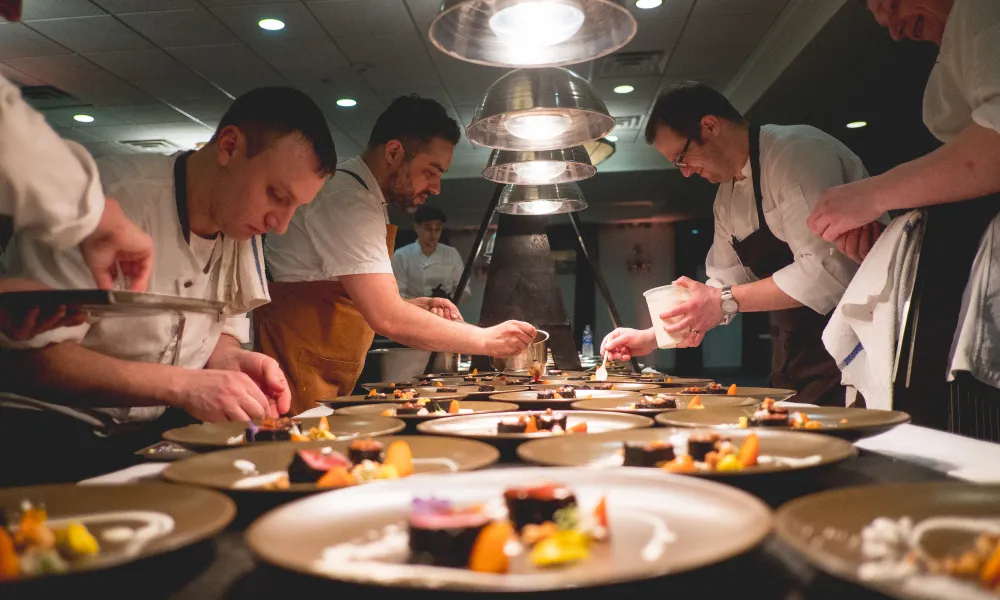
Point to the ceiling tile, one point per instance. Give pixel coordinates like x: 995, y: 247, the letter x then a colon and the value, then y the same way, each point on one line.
x: 735, y: 30
x: 180, y: 28
x: 393, y: 76
x: 423, y: 12
x: 78, y: 135
x: 438, y: 94
x: 81, y: 78
x: 17, y: 41
x: 179, y: 89
x: 718, y: 80
x: 656, y: 35
x: 103, y: 116
x: 627, y: 108
x: 346, y: 146
x: 57, y: 9
x: 99, y: 149
x: 465, y: 114
x: 222, y: 60
x: 213, y: 3
x: 237, y: 83
x: 721, y: 59
x: 466, y: 83
x: 144, y: 114
x: 352, y: 18
x: 645, y: 87
x: 399, y: 48
x: 359, y: 136
x: 317, y: 54
x: 17, y: 77
x: 139, y: 64
x: 326, y: 86
x: 206, y: 110
x: 90, y: 34
x: 136, y: 6
x: 355, y: 120
x: 713, y: 8
x: 299, y: 22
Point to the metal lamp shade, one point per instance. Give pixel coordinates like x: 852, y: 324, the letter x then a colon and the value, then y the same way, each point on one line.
x: 600, y: 150
x: 539, y: 109
x: 541, y: 167
x: 531, y: 33
x: 535, y: 200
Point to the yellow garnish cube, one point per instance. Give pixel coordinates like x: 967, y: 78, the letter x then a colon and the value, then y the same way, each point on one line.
x: 78, y: 541
x: 730, y: 462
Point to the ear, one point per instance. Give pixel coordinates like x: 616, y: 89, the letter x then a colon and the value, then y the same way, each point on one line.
x: 394, y: 152
x: 710, y: 125
x: 228, y: 143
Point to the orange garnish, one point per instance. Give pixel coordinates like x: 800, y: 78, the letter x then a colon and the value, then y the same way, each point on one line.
x: 750, y: 450
x: 732, y: 390
x: 399, y: 455
x: 580, y: 427
x: 453, y: 407
x: 488, y: 554
x: 532, y: 426
x: 335, y: 478
x: 324, y: 425
x: 695, y: 402
x: 681, y: 464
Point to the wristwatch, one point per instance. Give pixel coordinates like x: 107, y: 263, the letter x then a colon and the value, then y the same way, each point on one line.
x: 729, y: 305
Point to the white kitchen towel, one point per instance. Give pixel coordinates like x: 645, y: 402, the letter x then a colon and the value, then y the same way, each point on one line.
x: 863, y: 332
x: 240, y: 281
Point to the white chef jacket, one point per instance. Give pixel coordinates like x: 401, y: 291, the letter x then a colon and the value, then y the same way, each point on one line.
x: 799, y: 163
x: 418, y: 274
x: 341, y: 232
x: 50, y: 186
x: 144, y: 186
x: 964, y: 88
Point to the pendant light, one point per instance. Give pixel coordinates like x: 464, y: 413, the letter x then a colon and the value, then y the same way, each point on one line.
x: 600, y: 150
x: 539, y: 109
x: 540, y: 167
x: 537, y: 200
x: 531, y: 33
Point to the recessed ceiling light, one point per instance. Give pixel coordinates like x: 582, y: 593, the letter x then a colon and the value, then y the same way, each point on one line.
x: 624, y: 89
x: 271, y: 24
x: 83, y: 118
x: 611, y: 138
x: 857, y: 124
x: 347, y: 102
x: 648, y: 3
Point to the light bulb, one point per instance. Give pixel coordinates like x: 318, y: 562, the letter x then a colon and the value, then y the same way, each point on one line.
x: 648, y: 3
x: 347, y: 102
x: 271, y: 24
x: 536, y: 23
x: 857, y: 124
x: 538, y: 127
x: 540, y: 207
x: 624, y: 89
x: 538, y: 171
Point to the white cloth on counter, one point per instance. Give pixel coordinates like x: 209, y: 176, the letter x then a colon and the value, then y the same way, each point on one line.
x: 863, y: 332
x: 341, y: 232
x: 144, y: 186
x: 798, y: 163
x: 49, y: 185
x: 418, y: 274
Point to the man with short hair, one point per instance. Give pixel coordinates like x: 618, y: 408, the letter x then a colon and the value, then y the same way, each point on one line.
x: 764, y: 257
x: 334, y: 285
x: 427, y: 268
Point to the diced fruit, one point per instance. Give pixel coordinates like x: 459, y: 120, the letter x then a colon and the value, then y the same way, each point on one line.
x: 601, y: 512
x: 744, y: 422
x: 487, y: 554
x: 298, y: 437
x: 400, y: 456
x: 532, y: 533
x: 730, y: 462
x: 695, y: 403
x: 453, y: 407
x: 10, y: 565
x: 560, y: 548
x: 732, y: 390
x: 681, y: 464
x: 990, y: 575
x: 372, y: 393
x: 78, y: 542
x: 324, y: 425
x: 750, y: 450
x: 335, y: 478
x: 532, y: 426
x: 389, y: 412
x: 580, y: 427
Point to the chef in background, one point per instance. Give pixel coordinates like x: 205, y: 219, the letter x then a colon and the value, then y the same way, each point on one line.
x: 427, y: 268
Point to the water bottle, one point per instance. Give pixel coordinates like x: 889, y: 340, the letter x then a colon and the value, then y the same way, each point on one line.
x: 588, y: 341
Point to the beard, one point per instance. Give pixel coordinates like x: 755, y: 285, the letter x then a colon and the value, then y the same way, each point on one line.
x: 400, y: 192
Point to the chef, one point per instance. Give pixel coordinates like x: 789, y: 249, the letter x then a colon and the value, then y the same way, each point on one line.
x: 334, y: 285
x: 205, y: 211
x: 958, y: 181
x: 50, y: 187
x: 763, y: 258
x: 427, y: 267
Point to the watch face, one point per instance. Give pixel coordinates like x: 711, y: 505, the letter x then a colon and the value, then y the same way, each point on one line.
x: 730, y: 306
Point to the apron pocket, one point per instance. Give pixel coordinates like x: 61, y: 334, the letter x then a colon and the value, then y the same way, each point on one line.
x: 320, y: 378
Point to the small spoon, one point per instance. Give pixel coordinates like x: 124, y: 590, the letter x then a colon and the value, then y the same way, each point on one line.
x: 602, y: 372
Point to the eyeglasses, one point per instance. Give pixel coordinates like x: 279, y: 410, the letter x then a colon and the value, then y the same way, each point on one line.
x: 679, y: 163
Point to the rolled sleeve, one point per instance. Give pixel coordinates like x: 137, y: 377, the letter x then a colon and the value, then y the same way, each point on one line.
x: 355, y: 244
x: 238, y: 326
x: 986, y: 79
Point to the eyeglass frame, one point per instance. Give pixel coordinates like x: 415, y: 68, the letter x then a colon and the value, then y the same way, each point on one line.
x: 679, y: 163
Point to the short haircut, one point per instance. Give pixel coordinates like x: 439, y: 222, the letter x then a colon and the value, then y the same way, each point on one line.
x: 414, y: 121
x: 269, y: 113
x: 427, y: 212
x: 682, y: 106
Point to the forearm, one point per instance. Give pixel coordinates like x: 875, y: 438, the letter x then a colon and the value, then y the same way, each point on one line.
x: 763, y: 296
x: 967, y: 167
x: 226, y: 354
x: 70, y: 374
x: 415, y: 327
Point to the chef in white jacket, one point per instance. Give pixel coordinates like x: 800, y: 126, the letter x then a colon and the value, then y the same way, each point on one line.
x: 962, y: 109
x: 205, y: 211
x: 50, y: 187
x: 427, y: 267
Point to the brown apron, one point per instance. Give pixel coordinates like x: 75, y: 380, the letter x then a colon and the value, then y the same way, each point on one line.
x: 799, y: 360
x: 317, y: 335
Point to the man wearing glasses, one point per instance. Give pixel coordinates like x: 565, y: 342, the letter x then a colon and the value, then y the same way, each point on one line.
x: 763, y: 258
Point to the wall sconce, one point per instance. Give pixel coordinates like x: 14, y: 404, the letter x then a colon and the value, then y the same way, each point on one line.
x: 637, y: 263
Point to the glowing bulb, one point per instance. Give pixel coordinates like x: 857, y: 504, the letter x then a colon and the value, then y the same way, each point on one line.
x: 536, y: 23
x: 857, y: 124
x: 540, y: 207
x: 538, y: 127
x: 83, y: 118
x: 624, y: 89
x: 648, y: 3
x: 347, y: 102
x: 538, y: 171
x: 611, y: 138
x: 271, y: 24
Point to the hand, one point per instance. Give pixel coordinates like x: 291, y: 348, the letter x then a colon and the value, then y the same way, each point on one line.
x: 843, y: 208
x: 214, y: 395
x: 696, y: 315
x: 858, y: 242
x: 118, y: 241
x: 267, y: 374
x: 624, y: 343
x: 25, y: 327
x: 507, y: 339
x: 442, y: 307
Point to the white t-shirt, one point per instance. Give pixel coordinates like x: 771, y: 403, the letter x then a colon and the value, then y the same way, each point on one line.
x: 799, y: 163
x: 418, y: 274
x: 144, y: 186
x: 341, y: 232
x: 49, y: 185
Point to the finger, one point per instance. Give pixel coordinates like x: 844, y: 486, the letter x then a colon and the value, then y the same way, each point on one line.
x: 866, y: 242
x: 686, y: 324
x: 235, y: 413
x: 27, y: 326
x: 841, y: 244
x: 103, y: 278
x: 851, y: 242
x: 52, y: 322
x: 139, y: 273
x: 254, y: 408
x: 254, y: 393
x: 683, y: 281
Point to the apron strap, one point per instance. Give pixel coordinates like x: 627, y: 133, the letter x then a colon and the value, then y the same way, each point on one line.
x: 755, y: 175
x: 356, y: 177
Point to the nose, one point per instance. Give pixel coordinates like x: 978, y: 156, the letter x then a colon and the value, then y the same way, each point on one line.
x: 686, y: 171
x: 278, y: 224
x: 434, y: 187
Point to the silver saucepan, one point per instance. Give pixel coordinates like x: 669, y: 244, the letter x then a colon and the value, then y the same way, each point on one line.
x: 537, y: 350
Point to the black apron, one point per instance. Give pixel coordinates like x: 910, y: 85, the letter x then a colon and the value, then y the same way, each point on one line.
x: 799, y: 360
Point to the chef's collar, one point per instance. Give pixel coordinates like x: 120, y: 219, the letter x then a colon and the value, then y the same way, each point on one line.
x: 180, y: 195
x: 747, y: 171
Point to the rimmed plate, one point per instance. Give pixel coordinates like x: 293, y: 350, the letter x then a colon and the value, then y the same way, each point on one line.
x: 826, y: 528
x: 669, y: 381
x: 356, y: 399
x: 847, y: 423
x: 745, y: 391
x: 622, y: 386
x: 622, y: 405
x: 800, y: 451
x: 492, y: 394
x: 217, y: 469
x: 389, y: 386
x: 172, y: 517
x: 658, y: 526
x: 528, y: 400
x: 376, y: 410
x: 221, y: 435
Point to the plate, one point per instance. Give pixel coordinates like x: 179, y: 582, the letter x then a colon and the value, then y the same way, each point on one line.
x: 860, y: 422
x: 807, y: 450
x: 671, y: 381
x: 528, y: 400
x: 375, y: 410
x: 825, y: 528
x: 176, y: 516
x: 621, y: 405
x: 388, y: 386
x: 746, y: 391
x: 430, y: 455
x: 218, y: 435
x: 679, y: 523
x: 499, y: 389
x: 106, y: 302
x: 627, y: 386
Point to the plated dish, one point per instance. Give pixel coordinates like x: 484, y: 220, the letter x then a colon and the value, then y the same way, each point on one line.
x: 652, y: 404
x: 234, y: 433
x: 715, y: 389
x: 560, y: 397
